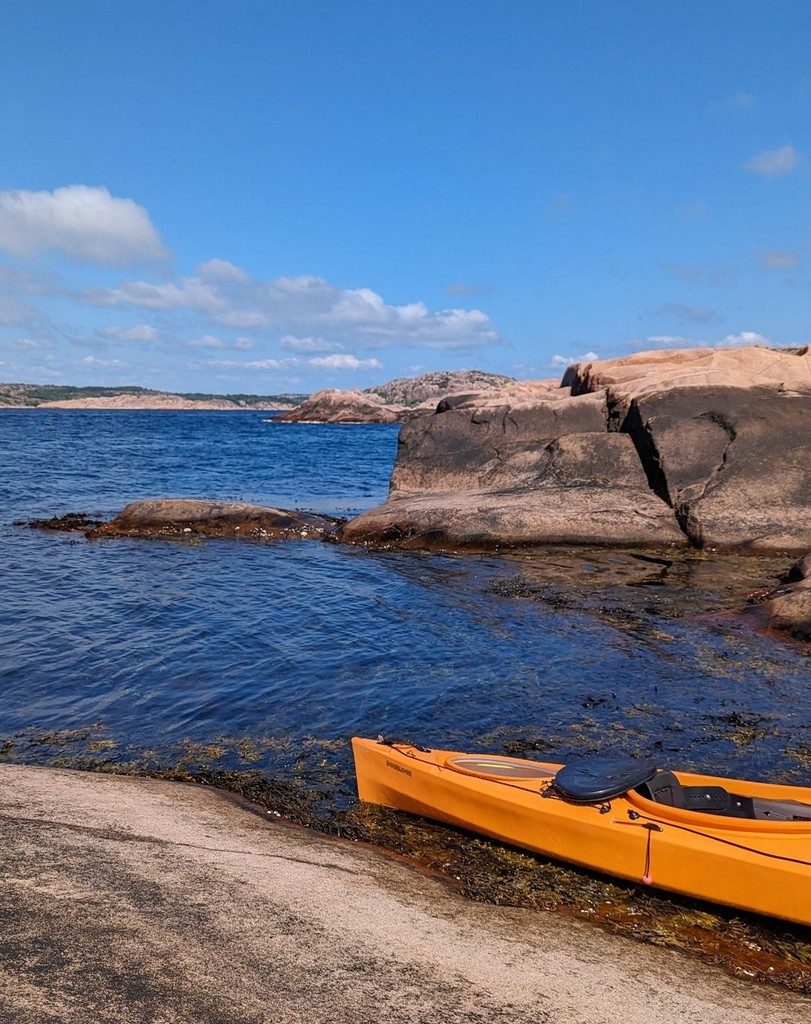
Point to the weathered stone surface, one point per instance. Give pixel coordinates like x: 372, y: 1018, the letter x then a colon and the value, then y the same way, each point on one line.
x: 429, y: 387
x: 646, y: 372
x: 334, y: 406
x: 580, y: 489
x: 489, y: 441
x: 399, y: 400
x: 185, y: 517
x: 721, y: 436
x: 735, y: 463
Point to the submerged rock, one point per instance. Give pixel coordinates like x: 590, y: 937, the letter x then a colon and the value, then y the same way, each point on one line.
x: 700, y: 447
x: 788, y: 608
x: 185, y: 517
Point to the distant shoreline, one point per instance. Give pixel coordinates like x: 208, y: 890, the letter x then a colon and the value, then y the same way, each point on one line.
x: 180, y: 406
x: 57, y: 396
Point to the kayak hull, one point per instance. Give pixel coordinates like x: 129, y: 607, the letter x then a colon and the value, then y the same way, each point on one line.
x: 758, y: 866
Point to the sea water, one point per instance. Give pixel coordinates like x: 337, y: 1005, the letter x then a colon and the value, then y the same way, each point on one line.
x: 275, y: 654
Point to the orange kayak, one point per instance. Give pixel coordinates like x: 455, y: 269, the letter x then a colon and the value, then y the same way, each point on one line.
x: 743, y: 844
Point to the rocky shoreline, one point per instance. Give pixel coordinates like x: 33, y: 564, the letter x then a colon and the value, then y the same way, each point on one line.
x: 695, y: 450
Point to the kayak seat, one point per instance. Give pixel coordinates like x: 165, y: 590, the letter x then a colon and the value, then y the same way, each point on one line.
x: 601, y: 778
x: 665, y: 788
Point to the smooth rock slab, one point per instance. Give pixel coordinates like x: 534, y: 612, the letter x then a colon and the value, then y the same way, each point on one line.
x: 134, y: 901
x: 185, y: 517
x: 585, y: 489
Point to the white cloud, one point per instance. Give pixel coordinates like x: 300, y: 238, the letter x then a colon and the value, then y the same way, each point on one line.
x: 27, y: 344
x: 83, y: 222
x: 744, y: 338
x: 344, y: 361
x: 94, y: 361
x: 255, y: 364
x: 294, y: 344
x: 307, y: 307
x: 223, y: 272
x: 778, y: 259
x: 144, y: 333
x: 189, y: 293
x: 559, y: 362
x: 206, y: 341
x: 773, y: 163
x: 242, y: 318
x: 244, y: 344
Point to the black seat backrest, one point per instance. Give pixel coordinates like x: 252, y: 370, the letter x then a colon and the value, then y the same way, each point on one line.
x: 664, y: 788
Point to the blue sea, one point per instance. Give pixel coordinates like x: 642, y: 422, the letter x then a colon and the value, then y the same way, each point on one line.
x: 274, y: 655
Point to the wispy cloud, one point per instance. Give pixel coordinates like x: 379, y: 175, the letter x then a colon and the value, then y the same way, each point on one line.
x: 673, y: 341
x: 560, y: 205
x: 773, y: 163
x: 83, y: 222
x: 740, y: 100
x: 684, y: 273
x: 294, y: 344
x: 142, y: 333
x: 106, y: 363
x: 686, y: 314
x: 288, y: 304
x: 460, y: 288
x: 206, y: 341
x: 778, y: 259
x: 344, y: 361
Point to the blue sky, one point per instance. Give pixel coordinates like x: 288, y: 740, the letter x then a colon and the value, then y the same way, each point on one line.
x: 287, y: 195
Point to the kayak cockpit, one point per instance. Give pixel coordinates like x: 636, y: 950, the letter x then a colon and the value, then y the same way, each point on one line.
x: 665, y: 788
x: 498, y: 768
x: 600, y: 779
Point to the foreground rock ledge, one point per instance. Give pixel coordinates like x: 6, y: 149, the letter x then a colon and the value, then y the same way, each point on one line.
x: 184, y: 517
x: 132, y: 901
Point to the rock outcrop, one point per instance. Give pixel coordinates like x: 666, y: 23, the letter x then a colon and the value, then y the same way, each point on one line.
x: 705, y: 447
x: 333, y: 406
x: 430, y: 387
x: 189, y: 517
x: 396, y: 402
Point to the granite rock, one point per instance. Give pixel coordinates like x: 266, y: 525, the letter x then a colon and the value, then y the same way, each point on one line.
x: 189, y: 517
x: 707, y: 447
